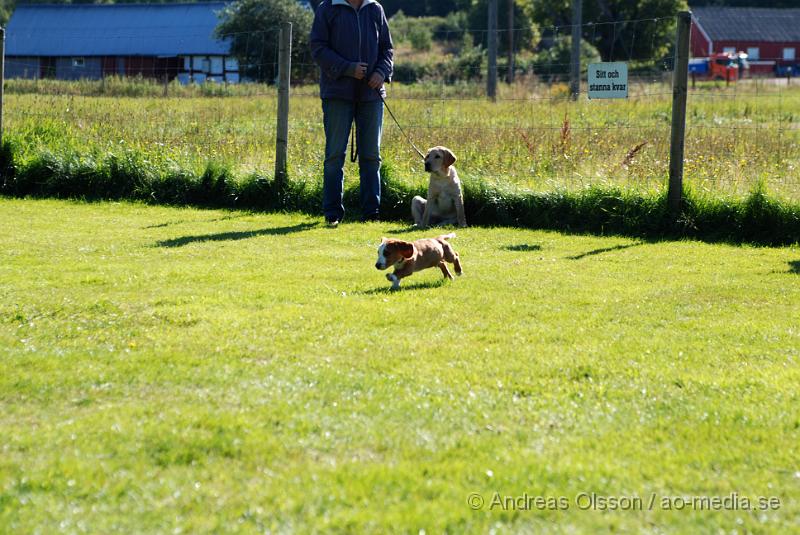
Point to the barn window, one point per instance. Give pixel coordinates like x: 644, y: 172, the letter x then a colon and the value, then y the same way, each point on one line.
x: 729, y: 50
x: 789, y: 54
x: 79, y: 62
x: 201, y: 64
x: 217, y: 65
x: 754, y: 53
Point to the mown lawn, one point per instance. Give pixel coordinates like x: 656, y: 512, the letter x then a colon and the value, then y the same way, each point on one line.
x: 180, y: 370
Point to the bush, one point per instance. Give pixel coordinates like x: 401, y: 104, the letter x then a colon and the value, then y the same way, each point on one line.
x: 420, y: 38
x: 467, y: 65
x: 441, y: 29
x: 453, y: 27
x: 756, y: 219
x: 410, y: 72
x: 557, y: 59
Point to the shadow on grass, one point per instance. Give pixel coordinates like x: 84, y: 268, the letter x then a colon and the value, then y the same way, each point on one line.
x: 523, y: 247
x: 406, y: 287
x: 403, y: 230
x: 794, y: 267
x: 606, y: 250
x: 233, y: 236
x: 434, y: 230
x: 193, y: 221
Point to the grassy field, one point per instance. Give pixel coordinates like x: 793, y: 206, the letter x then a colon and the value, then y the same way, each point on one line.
x: 178, y: 370
x: 532, y: 138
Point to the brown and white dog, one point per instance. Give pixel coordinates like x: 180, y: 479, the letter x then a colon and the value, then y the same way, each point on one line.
x: 445, y: 202
x: 408, y: 257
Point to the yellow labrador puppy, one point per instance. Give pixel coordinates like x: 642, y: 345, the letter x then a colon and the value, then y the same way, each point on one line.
x: 445, y: 202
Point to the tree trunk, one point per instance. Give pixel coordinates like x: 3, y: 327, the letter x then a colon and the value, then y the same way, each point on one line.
x: 510, y: 73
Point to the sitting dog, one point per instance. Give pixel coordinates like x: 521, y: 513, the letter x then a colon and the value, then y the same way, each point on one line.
x: 408, y: 257
x: 445, y: 203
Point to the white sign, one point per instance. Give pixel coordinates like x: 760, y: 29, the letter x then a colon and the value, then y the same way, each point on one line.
x: 608, y: 80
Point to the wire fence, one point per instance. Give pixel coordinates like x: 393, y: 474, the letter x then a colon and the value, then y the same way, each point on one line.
x: 740, y: 133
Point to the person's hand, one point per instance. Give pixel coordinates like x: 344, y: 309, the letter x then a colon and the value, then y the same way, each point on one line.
x: 361, y: 71
x: 375, y: 81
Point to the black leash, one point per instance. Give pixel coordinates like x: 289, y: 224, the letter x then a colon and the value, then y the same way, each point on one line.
x: 354, y: 146
x: 408, y: 138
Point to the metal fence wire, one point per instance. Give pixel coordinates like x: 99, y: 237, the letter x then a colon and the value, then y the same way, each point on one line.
x: 740, y: 134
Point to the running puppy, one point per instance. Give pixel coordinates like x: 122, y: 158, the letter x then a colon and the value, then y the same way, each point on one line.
x: 445, y: 202
x: 408, y: 257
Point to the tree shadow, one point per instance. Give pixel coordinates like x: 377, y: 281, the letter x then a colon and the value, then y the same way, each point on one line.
x: 233, y: 236
x: 403, y: 230
x: 442, y: 229
x: 794, y: 267
x: 426, y: 285
x: 523, y: 247
x: 606, y: 250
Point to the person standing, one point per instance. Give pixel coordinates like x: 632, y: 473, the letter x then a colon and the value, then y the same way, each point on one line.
x: 351, y: 43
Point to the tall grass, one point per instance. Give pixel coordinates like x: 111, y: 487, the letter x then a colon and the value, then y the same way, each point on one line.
x: 756, y: 218
x: 136, y: 87
x: 736, y: 137
x: 534, y: 158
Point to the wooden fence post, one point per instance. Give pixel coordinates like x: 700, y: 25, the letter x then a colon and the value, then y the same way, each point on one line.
x: 2, y: 77
x: 575, y: 61
x: 511, y: 53
x: 491, y: 82
x: 679, y: 95
x: 284, y: 81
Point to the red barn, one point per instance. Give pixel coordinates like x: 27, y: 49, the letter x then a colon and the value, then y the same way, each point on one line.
x: 770, y: 36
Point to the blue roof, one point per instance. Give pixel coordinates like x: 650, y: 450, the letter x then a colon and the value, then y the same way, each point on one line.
x: 115, y: 30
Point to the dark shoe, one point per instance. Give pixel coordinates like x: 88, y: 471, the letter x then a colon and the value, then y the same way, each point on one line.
x: 370, y: 218
x: 331, y: 222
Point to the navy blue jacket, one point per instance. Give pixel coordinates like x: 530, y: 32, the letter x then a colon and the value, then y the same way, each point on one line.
x: 342, y: 37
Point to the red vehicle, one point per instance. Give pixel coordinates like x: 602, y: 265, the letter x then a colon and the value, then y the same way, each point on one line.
x: 721, y: 66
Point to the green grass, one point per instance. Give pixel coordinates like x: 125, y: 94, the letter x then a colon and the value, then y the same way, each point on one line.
x: 167, y: 369
x: 759, y: 218
x: 737, y: 137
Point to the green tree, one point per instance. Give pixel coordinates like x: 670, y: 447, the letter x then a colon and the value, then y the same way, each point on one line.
x: 6, y: 7
x: 253, y: 27
x: 619, y: 29
x: 422, y: 8
x: 558, y: 58
x: 526, y: 35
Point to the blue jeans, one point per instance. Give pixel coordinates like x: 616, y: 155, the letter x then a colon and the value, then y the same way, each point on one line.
x: 338, y: 117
